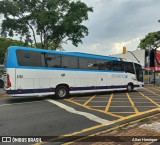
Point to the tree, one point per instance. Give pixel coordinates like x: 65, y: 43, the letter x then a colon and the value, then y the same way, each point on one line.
x: 151, y: 41
x: 5, y: 43
x: 54, y: 21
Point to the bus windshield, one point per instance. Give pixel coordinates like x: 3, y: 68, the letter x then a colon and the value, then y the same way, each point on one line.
x: 139, y: 72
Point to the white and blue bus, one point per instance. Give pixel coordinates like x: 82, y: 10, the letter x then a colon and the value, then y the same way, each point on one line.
x: 40, y: 72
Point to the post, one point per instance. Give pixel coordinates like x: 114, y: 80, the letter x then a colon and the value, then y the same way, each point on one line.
x: 154, y: 79
x: 148, y: 65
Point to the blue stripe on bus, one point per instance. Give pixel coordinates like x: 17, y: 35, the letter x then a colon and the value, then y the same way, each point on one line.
x: 48, y: 90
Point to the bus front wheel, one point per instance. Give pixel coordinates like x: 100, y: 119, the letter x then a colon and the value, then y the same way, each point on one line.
x: 62, y: 92
x: 129, y: 87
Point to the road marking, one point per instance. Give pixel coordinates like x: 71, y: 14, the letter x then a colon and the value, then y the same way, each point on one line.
x: 149, y: 99
x: 99, y: 126
x: 156, y: 89
x: 132, y: 103
x: 120, y: 98
x: 105, y: 131
x: 151, y: 91
x: 99, y: 101
x: 20, y: 103
x: 85, y: 114
x: 88, y: 100
x: 109, y: 113
x: 109, y: 103
x: 121, y: 101
x: 96, y: 127
x: 120, y: 106
x: 97, y: 106
x: 123, y: 112
x: 70, y: 134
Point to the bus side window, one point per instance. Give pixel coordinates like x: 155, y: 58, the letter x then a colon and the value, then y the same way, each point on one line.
x: 53, y: 60
x: 87, y: 63
x: 69, y: 61
x: 101, y: 64
x: 117, y: 65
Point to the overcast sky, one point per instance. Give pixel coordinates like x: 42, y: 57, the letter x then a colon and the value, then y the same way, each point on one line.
x: 118, y: 23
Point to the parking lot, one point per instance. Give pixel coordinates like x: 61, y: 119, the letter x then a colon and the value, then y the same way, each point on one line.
x: 122, y: 104
x: 79, y: 115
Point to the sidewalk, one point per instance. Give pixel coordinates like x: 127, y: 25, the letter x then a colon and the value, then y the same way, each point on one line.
x: 138, y: 133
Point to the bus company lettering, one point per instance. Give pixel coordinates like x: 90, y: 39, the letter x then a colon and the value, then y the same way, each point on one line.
x: 119, y: 76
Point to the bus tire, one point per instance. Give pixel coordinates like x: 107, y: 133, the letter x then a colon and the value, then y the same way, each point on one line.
x: 1, y: 84
x: 61, y: 92
x: 129, y: 87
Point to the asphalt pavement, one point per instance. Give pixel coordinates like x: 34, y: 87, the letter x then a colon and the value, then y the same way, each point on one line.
x: 79, y: 115
x: 1, y: 91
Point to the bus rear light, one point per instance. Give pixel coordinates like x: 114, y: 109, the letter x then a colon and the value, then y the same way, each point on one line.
x: 8, y: 81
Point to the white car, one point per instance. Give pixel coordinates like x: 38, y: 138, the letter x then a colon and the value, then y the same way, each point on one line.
x: 1, y: 76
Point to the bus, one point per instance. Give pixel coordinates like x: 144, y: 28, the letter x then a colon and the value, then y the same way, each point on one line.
x: 40, y: 72
x: 1, y: 76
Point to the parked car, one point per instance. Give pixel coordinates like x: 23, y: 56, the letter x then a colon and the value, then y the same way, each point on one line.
x: 1, y: 76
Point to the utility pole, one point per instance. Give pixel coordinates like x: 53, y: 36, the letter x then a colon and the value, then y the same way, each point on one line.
x: 154, y: 79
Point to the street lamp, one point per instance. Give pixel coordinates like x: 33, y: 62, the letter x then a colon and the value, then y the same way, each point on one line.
x: 134, y: 56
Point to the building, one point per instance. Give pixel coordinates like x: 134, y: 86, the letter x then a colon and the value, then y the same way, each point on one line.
x: 149, y: 60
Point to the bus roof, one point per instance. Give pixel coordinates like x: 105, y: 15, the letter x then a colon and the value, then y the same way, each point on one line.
x: 14, y: 48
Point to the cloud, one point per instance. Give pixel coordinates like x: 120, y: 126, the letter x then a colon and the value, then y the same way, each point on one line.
x: 118, y: 23
x: 119, y: 45
x: 115, y: 23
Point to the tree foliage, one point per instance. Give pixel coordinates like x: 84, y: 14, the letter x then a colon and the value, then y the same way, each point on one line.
x: 151, y: 41
x: 5, y: 43
x: 54, y: 21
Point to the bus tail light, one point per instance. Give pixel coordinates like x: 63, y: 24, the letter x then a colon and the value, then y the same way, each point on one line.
x: 8, y: 81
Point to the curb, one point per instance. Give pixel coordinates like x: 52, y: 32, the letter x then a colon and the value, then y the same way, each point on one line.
x: 82, y: 137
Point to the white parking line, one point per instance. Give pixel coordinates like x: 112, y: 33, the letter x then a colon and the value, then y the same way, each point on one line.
x: 85, y: 114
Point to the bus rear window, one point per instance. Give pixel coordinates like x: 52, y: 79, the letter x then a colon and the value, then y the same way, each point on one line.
x: 28, y: 58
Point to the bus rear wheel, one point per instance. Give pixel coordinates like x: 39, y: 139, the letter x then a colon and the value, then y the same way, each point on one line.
x: 62, y: 92
x: 129, y: 87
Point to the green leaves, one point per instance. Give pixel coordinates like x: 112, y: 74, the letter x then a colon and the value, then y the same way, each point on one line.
x: 151, y: 41
x: 5, y: 43
x: 53, y: 22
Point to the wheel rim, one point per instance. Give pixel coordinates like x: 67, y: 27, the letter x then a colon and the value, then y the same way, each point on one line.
x: 129, y: 88
x: 62, y: 93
